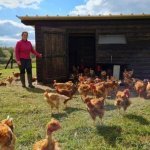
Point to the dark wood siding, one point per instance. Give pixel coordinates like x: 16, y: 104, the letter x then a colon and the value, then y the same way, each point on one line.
x: 54, y: 54
x: 39, y: 48
x: 53, y: 44
x: 135, y: 53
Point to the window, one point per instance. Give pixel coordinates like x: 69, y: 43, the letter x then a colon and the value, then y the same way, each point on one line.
x: 112, y: 39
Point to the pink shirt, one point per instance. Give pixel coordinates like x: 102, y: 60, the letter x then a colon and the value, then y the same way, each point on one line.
x: 23, y: 50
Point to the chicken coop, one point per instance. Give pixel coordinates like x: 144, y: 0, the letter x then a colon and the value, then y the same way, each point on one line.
x: 115, y: 42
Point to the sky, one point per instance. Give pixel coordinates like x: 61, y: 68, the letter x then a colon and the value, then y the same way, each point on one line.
x: 11, y: 27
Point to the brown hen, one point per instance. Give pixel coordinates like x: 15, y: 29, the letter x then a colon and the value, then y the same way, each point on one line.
x: 49, y: 143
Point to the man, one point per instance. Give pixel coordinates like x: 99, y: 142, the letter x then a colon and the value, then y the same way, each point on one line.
x: 22, y: 52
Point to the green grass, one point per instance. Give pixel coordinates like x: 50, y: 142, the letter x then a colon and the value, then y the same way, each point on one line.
x: 8, y: 72
x: 31, y: 113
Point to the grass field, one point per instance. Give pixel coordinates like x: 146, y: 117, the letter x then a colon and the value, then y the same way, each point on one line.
x: 31, y: 113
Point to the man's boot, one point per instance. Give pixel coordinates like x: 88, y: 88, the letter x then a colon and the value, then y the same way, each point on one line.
x: 30, y: 80
x: 22, y: 78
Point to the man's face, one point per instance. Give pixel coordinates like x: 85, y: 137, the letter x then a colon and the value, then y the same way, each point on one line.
x: 24, y: 36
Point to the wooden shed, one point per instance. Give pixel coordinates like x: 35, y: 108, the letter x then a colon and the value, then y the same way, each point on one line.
x: 115, y: 42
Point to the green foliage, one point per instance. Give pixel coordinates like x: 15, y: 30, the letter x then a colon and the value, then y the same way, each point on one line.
x: 5, y: 53
x: 2, y: 54
x: 11, y: 50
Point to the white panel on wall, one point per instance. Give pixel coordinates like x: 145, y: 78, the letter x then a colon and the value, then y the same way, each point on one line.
x: 112, y: 39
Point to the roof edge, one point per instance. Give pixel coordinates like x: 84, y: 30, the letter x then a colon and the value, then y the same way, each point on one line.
x: 89, y: 17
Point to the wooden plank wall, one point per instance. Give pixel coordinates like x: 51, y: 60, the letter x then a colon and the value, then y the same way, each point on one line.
x: 39, y: 48
x: 136, y: 52
x: 51, y: 44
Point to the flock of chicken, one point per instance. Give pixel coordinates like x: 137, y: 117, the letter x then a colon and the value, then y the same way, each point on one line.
x: 93, y: 93
x: 9, y: 79
x: 15, y: 77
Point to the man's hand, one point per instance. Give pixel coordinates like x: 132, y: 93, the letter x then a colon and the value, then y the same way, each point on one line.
x: 19, y: 63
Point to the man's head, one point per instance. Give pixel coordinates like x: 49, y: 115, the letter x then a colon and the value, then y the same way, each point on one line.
x: 24, y: 35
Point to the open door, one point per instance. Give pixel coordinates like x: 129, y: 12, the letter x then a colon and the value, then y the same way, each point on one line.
x: 81, y: 50
x: 55, y: 54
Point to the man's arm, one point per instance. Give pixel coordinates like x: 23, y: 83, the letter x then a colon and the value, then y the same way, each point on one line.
x: 17, y: 53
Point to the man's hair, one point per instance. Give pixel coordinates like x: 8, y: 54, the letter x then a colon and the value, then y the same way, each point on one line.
x: 24, y: 32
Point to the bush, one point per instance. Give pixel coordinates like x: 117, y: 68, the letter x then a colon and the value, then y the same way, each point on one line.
x: 2, y: 53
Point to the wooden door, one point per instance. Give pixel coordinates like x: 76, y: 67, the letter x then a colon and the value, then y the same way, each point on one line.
x: 55, y: 54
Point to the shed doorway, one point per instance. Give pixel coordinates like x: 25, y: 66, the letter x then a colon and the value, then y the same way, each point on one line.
x: 81, y: 50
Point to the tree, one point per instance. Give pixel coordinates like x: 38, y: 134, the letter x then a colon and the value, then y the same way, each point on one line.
x: 2, y: 53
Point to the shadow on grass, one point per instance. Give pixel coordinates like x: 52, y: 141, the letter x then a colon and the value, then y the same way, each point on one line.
x: 35, y: 90
x: 109, y: 107
x: 138, y: 119
x: 110, y: 133
x: 67, y: 110
x: 58, y: 116
x: 72, y: 109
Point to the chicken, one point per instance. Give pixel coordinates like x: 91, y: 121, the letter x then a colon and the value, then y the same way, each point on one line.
x: 92, y: 73
x: 122, y: 100
x: 111, y: 86
x: 3, y: 83
x: 49, y: 143
x: 68, y: 84
x: 53, y: 99
x: 9, y: 79
x: 7, y: 137
x: 9, y: 123
x: 87, y: 72
x: 67, y: 92
x: 128, y: 82
x: 34, y: 79
x: 16, y: 74
x: 60, y: 85
x: 148, y: 90
x: 84, y: 89
x: 82, y: 78
x: 97, y: 80
x: 103, y: 75
x: 127, y: 78
x: 140, y: 87
x: 99, y: 90
x: 95, y: 107
x: 108, y: 79
x: 128, y: 74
